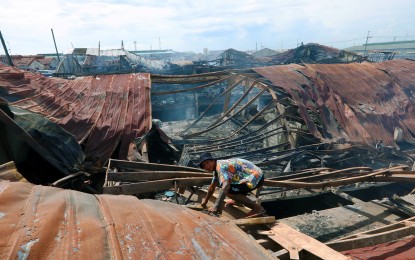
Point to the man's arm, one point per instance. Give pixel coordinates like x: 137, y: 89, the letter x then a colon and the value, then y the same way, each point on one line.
x: 222, y: 195
x: 209, y: 194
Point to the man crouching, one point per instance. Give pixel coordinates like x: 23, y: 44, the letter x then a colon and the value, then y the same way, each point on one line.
x: 236, y: 177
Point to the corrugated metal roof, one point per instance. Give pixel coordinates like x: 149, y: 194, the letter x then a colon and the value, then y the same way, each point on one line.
x: 51, y: 223
x: 401, y: 249
x: 361, y: 102
x: 396, y: 45
x: 102, y: 111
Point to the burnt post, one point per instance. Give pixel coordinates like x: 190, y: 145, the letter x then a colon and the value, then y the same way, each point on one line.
x: 56, y: 48
x: 5, y: 51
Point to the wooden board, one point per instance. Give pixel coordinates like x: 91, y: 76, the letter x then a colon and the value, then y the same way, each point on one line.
x: 294, y: 241
x: 151, y: 186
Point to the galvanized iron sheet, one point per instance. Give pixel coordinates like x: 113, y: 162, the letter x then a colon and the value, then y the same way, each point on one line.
x: 103, y: 111
x: 50, y: 223
x: 360, y: 102
x: 401, y: 249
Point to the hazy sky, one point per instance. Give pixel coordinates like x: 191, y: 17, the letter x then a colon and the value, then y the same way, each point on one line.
x: 191, y: 25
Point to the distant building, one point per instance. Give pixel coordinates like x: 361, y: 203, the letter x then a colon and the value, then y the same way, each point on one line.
x: 400, y: 49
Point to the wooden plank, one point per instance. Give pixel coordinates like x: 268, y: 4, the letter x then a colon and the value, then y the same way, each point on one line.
x: 232, y: 212
x: 287, y: 245
x: 190, y: 89
x: 150, y: 186
x: 283, y: 233
x: 398, y: 230
x: 187, y: 79
x: 150, y: 166
x: 254, y: 221
x: 151, y: 175
x: 337, y: 173
x: 364, y: 240
x: 346, y: 196
x: 402, y: 205
x: 371, y: 177
x: 291, y: 175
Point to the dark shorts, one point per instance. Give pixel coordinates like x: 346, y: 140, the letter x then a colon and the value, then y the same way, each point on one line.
x: 243, y: 188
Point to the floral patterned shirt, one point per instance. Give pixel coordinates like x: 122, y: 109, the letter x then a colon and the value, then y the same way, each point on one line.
x: 238, y: 171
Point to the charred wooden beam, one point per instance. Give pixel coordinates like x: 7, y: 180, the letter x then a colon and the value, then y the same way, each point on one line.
x: 334, y: 183
x: 151, y: 186
x: 251, y: 140
x: 190, y: 89
x: 207, y: 109
x: 188, y: 79
x: 336, y: 173
x: 288, y: 151
x: 248, y: 123
x: 151, y: 175
x: 217, y: 123
x: 299, y: 174
x: 345, y: 196
x: 134, y: 166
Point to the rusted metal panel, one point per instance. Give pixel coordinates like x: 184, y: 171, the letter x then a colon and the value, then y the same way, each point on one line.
x: 44, y: 222
x: 401, y: 249
x: 359, y: 102
x: 102, y: 111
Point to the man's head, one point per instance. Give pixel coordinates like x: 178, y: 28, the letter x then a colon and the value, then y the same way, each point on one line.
x: 207, y: 162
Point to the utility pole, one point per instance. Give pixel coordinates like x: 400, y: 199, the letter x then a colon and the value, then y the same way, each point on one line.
x: 135, y: 45
x: 56, y: 48
x: 367, y: 40
x: 5, y: 51
x: 99, y: 48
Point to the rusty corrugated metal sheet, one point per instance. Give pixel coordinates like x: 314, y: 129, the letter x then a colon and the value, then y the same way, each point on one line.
x: 401, y: 249
x: 361, y: 102
x: 102, y: 111
x: 50, y: 223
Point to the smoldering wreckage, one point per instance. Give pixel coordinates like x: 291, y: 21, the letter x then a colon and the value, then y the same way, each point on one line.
x: 336, y: 143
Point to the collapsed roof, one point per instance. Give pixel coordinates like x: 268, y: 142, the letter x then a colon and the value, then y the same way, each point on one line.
x: 314, y: 53
x: 69, y: 224
x: 273, y: 110
x: 360, y: 102
x: 104, y: 113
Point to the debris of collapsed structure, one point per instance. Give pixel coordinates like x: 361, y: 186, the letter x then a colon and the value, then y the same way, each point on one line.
x: 283, y: 118
x: 313, y: 53
x: 323, y: 113
x: 91, y: 61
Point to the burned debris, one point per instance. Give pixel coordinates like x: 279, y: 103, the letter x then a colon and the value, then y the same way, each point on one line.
x: 320, y: 132
x: 313, y: 53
